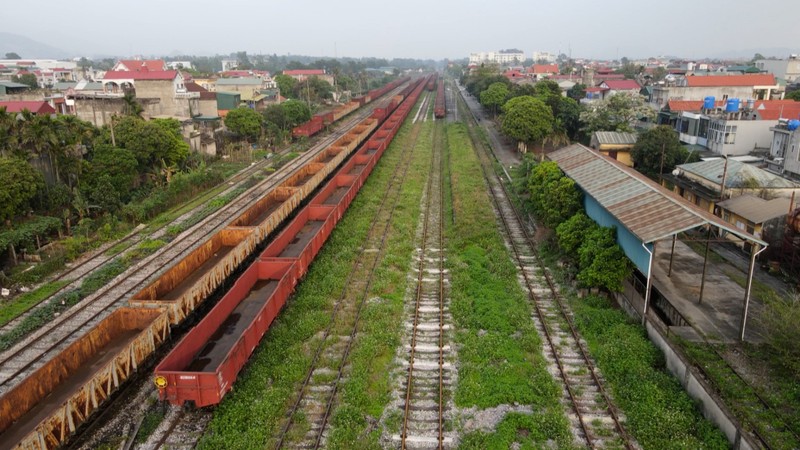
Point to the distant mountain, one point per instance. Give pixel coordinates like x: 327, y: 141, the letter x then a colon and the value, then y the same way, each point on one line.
x: 28, y: 48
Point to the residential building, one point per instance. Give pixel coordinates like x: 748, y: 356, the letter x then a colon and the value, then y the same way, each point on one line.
x: 39, y: 108
x: 787, y: 69
x: 10, y: 88
x: 543, y: 56
x: 784, y: 153
x: 765, y: 219
x: 139, y: 65
x: 727, y: 128
x: 701, y: 182
x: 178, y: 65
x: 721, y: 87
x: 303, y: 74
x: 612, y: 87
x: 542, y: 71
x: 497, y: 57
x: 229, y: 64
x: 615, y: 145
x: 161, y: 93
x: 207, y: 100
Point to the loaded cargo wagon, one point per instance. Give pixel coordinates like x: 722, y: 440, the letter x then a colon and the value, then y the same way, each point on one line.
x: 189, y: 282
x: 206, y: 362
x: 51, y: 403
x: 338, y: 192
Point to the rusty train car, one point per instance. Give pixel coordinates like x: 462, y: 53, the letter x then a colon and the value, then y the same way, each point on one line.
x: 440, y: 105
x: 204, y: 365
x: 46, y: 408
x: 320, y: 121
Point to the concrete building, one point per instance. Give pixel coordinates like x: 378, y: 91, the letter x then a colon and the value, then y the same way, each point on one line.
x: 615, y: 145
x: 764, y: 219
x: 229, y: 64
x: 139, y: 65
x: 542, y: 71
x: 721, y: 87
x: 303, y: 74
x: 701, y: 182
x: 161, y: 94
x: 784, y: 153
x: 787, y: 69
x: 178, y: 65
x: 497, y: 57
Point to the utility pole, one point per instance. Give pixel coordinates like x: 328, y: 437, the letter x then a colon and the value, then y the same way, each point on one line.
x: 661, y: 168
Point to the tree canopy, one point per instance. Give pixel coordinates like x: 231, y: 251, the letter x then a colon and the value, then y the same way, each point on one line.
x: 554, y: 197
x: 527, y: 119
x: 494, y: 96
x: 618, y: 112
x: 245, y: 122
x: 650, y: 146
x: 19, y: 182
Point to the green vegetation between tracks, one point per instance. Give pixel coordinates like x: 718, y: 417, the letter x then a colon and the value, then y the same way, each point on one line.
x: 251, y: 415
x: 368, y: 388
x: 500, y: 356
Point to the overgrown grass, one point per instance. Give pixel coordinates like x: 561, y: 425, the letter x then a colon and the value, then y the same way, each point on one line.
x: 500, y: 356
x: 12, y: 309
x: 62, y: 302
x: 368, y: 388
x: 525, y: 431
x: 152, y: 419
x: 250, y: 415
x: 742, y: 398
x: 659, y: 413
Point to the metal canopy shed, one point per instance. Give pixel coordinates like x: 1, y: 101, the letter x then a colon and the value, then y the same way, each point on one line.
x: 644, y: 211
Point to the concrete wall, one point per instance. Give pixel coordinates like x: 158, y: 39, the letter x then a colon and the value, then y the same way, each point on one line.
x: 750, y: 134
x: 98, y: 110
x: 661, y: 95
x: 168, y: 103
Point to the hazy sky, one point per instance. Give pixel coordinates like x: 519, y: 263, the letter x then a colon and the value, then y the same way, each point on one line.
x: 408, y: 28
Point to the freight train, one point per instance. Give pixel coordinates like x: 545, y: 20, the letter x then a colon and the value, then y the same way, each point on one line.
x: 53, y: 401
x: 203, y: 366
x: 320, y: 121
x: 440, y: 105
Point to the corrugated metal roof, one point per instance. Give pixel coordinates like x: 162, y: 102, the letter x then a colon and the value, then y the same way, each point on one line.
x: 756, y: 209
x: 616, y: 137
x: 737, y: 175
x: 646, y: 209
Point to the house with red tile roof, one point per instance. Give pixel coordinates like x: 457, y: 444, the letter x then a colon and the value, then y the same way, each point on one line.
x: 36, y: 107
x: 542, y: 71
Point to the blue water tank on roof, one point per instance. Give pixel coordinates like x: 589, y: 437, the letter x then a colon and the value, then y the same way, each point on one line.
x: 793, y: 125
x: 732, y: 106
x: 709, y: 103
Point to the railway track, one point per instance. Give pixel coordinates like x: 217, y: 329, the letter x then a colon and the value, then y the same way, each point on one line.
x: 88, y: 265
x: 595, y: 420
x: 429, y: 372
x: 307, y: 419
x: 29, y: 354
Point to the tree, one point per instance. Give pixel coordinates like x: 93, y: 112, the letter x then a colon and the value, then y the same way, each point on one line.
x: 658, y: 147
x: 494, y: 97
x: 19, y: 183
x: 794, y: 95
x: 155, y: 143
x: 572, y: 232
x: 26, y: 78
x: 245, y: 122
x: 295, y: 112
x: 110, y: 177
x: 527, y: 119
x: 577, y: 92
x: 607, y: 270
x: 286, y: 85
x: 618, y: 112
x: 13, y: 55
x: 554, y: 197
x: 659, y: 73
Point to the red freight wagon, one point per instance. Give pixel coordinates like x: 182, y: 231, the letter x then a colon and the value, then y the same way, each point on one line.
x: 339, y: 192
x: 206, y: 362
x: 303, y: 238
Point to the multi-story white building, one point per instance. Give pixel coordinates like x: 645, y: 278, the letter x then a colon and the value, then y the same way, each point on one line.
x: 788, y: 69
x: 497, y: 57
x: 543, y: 56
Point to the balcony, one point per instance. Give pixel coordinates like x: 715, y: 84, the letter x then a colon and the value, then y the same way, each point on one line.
x: 688, y: 139
x: 184, y: 94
